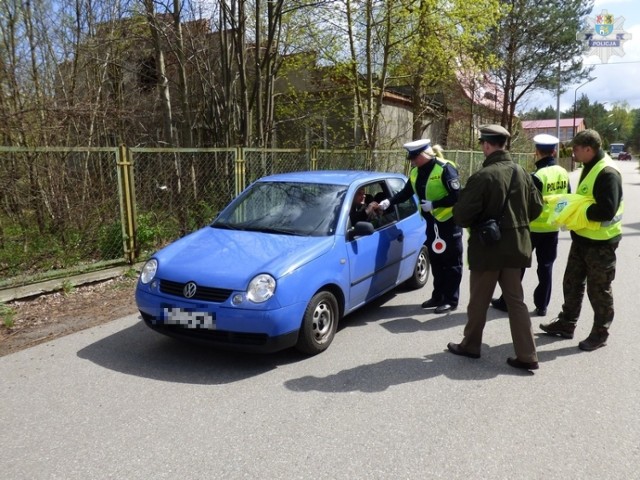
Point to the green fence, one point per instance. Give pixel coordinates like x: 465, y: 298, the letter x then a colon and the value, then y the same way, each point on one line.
x: 65, y: 211
x: 59, y: 209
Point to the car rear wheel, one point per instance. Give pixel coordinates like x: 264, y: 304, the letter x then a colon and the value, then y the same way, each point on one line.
x: 319, y: 324
x: 421, y: 270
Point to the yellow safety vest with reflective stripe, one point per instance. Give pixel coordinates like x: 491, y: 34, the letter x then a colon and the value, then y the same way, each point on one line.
x: 608, y: 229
x: 555, y: 180
x: 434, y: 188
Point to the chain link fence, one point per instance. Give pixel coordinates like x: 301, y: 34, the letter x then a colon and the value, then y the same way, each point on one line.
x: 69, y: 210
x: 56, y: 209
x: 176, y: 191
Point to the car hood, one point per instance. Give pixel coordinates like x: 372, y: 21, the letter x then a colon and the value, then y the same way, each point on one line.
x: 230, y: 258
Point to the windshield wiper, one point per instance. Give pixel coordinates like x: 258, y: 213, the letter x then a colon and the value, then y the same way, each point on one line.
x: 279, y: 231
x: 255, y: 226
x: 224, y: 226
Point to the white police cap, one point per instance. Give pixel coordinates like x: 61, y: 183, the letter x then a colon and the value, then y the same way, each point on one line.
x: 416, y: 147
x: 545, y: 140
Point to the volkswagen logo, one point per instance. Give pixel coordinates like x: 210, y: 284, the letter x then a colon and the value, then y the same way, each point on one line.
x: 189, y: 290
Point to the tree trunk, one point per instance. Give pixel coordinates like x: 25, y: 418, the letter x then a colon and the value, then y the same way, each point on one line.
x: 163, y: 82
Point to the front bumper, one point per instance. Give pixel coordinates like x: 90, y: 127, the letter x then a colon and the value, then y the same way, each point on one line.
x: 235, y: 328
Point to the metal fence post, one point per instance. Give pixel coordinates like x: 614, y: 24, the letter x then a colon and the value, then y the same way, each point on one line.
x: 127, y: 203
x: 239, y: 171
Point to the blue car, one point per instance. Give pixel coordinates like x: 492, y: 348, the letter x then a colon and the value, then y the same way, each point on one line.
x: 285, y: 261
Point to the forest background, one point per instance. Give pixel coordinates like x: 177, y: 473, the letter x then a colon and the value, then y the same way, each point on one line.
x: 270, y: 73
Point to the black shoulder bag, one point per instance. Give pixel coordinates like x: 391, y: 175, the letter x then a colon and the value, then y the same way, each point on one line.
x: 489, y: 230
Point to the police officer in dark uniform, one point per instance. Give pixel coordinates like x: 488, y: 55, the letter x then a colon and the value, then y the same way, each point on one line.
x: 435, y: 181
x: 550, y: 179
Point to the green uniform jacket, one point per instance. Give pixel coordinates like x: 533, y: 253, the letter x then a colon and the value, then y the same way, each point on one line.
x: 483, y: 197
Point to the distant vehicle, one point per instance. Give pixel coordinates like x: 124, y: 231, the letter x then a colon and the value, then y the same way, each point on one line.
x: 282, y: 263
x: 624, y: 156
x: 615, y: 149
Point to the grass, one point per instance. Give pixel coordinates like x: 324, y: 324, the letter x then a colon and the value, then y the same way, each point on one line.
x: 126, y: 282
x: 6, y: 315
x: 131, y: 273
x: 67, y: 287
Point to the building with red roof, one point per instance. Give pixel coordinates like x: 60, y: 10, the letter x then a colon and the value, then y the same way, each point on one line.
x: 532, y: 128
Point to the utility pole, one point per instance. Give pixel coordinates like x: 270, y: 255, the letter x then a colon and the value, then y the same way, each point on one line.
x: 558, y: 104
x: 575, y: 100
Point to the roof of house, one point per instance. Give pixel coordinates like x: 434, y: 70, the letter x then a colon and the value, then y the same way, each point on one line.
x: 481, y: 89
x: 564, y: 122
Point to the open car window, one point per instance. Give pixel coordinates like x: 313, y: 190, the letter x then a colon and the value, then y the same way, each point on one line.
x: 376, y: 192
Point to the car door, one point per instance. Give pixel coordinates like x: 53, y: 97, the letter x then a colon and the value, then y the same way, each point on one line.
x: 413, y: 227
x: 375, y: 260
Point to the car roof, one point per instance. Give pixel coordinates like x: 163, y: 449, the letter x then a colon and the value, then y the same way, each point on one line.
x: 334, y: 177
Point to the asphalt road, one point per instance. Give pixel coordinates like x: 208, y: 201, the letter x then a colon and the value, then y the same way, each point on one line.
x: 384, y: 402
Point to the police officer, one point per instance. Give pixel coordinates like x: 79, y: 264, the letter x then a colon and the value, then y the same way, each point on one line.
x: 549, y: 178
x: 592, y: 256
x: 435, y: 181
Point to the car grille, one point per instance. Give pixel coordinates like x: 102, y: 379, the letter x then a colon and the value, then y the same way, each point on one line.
x: 207, y: 294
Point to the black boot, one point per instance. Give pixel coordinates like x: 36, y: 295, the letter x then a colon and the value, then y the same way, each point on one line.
x: 559, y: 327
x: 596, y: 339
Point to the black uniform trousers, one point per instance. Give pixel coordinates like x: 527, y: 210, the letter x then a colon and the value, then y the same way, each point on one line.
x: 446, y: 267
x: 545, y: 244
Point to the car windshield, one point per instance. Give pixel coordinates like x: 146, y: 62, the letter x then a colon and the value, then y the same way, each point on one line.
x: 290, y: 208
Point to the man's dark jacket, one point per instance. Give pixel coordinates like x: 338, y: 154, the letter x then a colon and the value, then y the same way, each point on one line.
x: 483, y: 197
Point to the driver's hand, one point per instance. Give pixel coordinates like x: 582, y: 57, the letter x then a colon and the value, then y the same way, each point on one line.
x: 372, y: 207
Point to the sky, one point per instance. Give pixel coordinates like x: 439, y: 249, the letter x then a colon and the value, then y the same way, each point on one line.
x: 617, y: 80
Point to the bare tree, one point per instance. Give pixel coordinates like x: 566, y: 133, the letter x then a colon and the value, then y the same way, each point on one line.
x: 162, y: 80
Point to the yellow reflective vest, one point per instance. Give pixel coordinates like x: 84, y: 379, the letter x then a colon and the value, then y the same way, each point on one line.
x: 555, y: 181
x: 570, y: 210
x: 608, y: 229
x: 434, y: 189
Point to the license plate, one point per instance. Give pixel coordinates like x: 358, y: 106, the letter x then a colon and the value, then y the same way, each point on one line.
x: 189, y: 318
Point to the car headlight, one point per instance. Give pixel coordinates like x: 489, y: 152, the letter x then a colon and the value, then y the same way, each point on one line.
x: 261, y: 288
x: 149, y: 271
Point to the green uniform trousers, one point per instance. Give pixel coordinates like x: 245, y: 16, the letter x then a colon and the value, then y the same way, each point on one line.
x: 482, y: 285
x: 593, y: 266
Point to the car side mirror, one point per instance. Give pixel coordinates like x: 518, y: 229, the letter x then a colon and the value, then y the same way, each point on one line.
x: 360, y: 229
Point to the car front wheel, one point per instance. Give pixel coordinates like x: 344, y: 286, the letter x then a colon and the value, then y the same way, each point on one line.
x: 319, y: 324
x: 421, y: 270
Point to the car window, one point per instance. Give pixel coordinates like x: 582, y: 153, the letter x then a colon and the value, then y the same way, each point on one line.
x: 378, y: 191
x: 407, y: 208
x: 285, y: 208
x: 360, y: 199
